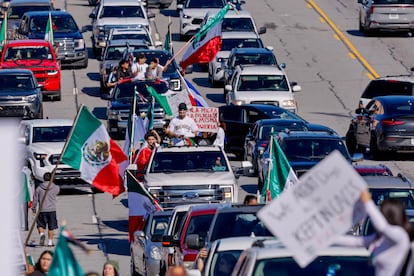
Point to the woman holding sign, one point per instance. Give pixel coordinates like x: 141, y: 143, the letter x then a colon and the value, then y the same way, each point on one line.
x: 390, y: 244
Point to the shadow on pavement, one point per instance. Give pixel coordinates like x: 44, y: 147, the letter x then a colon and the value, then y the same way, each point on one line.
x: 100, y: 113
x: 92, y: 91
x: 93, y: 76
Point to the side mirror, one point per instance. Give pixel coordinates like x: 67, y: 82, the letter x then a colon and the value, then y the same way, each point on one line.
x: 227, y: 87
x: 262, y: 30
x: 151, y: 15
x: 194, y: 241
x: 295, y: 87
x: 179, y: 7
x: 84, y: 29
x: 169, y: 241
x: 245, y: 169
x: 92, y: 15
x: 283, y: 66
x: 189, y: 69
x: 139, y: 234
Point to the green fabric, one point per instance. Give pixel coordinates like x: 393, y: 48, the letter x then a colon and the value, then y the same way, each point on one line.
x: 161, y: 99
x: 85, y: 125
x: 64, y: 262
x: 26, y: 193
x: 3, y: 32
x: 211, y: 23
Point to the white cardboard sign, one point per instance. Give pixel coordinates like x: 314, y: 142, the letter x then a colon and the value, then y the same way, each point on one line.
x: 323, y: 204
x: 206, y: 118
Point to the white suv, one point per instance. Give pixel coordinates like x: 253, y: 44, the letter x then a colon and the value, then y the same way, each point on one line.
x: 110, y: 14
x: 261, y: 84
x: 44, y: 139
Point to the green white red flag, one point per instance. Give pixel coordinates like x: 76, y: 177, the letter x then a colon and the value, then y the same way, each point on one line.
x: 49, y: 30
x: 90, y: 150
x: 3, y: 31
x: 207, y: 41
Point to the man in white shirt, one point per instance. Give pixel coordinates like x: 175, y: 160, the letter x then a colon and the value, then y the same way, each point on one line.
x: 139, y: 68
x: 182, y: 126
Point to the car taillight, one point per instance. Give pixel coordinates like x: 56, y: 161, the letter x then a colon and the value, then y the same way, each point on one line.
x: 392, y: 122
x: 263, y: 145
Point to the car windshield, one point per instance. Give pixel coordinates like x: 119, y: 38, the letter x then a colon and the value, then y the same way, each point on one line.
x: 268, y: 59
x: 61, y: 24
x: 238, y: 224
x: 223, y: 262
x: 263, y: 83
x: 237, y: 25
x: 405, y: 195
x: 125, y: 91
x: 159, y: 225
x: 16, y: 83
x: 28, y: 53
x: 199, y: 225
x: 281, y: 114
x: 16, y: 12
x: 266, y: 130
x: 229, y: 43
x: 202, y: 4
x: 199, y: 161
x: 114, y: 52
x: 139, y: 36
x: 325, y: 265
x: 378, y: 88
x: 50, y: 134
x: 121, y: 11
x: 301, y: 149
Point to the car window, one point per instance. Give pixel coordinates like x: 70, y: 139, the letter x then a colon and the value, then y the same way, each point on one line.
x: 223, y: 263
x: 15, y: 83
x: 268, y: 59
x: 199, y: 225
x: 405, y: 195
x: 177, y: 223
x: 237, y: 25
x: 50, y: 134
x: 130, y: 36
x: 121, y: 11
x: 401, y: 108
x: 229, y: 43
x: 159, y: 225
x: 114, y: 52
x: 16, y: 12
x: 378, y: 88
x: 197, y: 4
x: 263, y: 83
x: 326, y: 265
x: 231, y: 114
x: 28, y: 53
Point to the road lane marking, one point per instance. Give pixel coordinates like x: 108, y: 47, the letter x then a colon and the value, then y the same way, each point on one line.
x: 345, y: 40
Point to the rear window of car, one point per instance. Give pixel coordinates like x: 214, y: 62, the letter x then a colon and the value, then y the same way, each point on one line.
x: 378, y: 88
x: 237, y: 25
x: 229, y: 44
x: 200, y: 4
x: 16, y: 12
x: 405, y: 195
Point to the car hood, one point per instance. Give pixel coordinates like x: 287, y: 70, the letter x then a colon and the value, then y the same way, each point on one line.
x: 263, y: 95
x: 123, y: 21
x: 48, y: 147
x: 189, y: 178
x: 36, y: 63
x: 16, y: 95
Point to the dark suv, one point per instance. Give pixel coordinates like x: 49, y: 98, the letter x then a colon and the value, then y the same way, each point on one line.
x: 68, y: 40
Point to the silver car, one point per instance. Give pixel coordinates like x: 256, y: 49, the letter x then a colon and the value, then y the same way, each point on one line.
x: 386, y: 15
x: 146, y: 247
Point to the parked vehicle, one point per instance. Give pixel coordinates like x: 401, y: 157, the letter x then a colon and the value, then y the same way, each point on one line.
x: 20, y: 95
x: 44, y: 139
x: 388, y: 126
x: 37, y: 56
x: 146, y: 247
x: 70, y: 45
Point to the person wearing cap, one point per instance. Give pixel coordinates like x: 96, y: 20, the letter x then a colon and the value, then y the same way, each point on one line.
x: 110, y: 268
x: 182, y: 126
x: 154, y: 70
x: 139, y: 68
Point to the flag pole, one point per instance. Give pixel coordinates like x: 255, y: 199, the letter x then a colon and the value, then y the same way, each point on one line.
x: 270, y: 167
x: 179, y: 52
x: 52, y: 177
x: 132, y: 134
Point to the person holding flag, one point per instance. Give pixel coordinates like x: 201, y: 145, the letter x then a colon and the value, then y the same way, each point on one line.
x: 182, y: 126
x: 152, y: 139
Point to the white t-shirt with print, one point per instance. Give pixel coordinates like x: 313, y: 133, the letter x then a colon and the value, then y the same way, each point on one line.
x: 185, y: 126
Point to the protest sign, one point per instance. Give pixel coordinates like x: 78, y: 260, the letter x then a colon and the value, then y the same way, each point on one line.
x: 322, y: 205
x: 206, y: 118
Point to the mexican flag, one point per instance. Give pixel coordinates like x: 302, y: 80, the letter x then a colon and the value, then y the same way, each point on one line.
x: 49, y: 30
x: 161, y: 99
x: 207, y: 41
x: 140, y: 203
x: 90, y: 150
x: 64, y: 262
x: 280, y: 174
x: 3, y: 31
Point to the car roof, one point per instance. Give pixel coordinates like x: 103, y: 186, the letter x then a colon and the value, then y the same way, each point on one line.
x: 239, y: 35
x: 129, y: 30
x: 15, y: 72
x: 308, y: 134
x: 30, y: 2
x: 27, y: 42
x: 239, y: 208
x: 48, y: 122
x: 46, y: 13
x: 235, y: 243
x: 407, y: 78
x: 121, y: 2
x: 387, y: 182
x: 259, y: 107
x: 162, y: 213
x: 372, y: 169
x: 260, y: 70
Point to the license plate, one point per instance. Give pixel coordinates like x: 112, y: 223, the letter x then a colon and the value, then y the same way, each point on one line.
x: 393, y: 16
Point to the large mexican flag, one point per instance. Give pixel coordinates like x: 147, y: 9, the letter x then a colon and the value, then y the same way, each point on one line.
x: 90, y: 150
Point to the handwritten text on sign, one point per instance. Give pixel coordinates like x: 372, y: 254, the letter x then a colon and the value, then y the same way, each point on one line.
x: 308, y: 216
x: 206, y: 118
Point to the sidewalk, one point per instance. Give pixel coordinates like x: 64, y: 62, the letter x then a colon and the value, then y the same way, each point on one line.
x: 106, y: 234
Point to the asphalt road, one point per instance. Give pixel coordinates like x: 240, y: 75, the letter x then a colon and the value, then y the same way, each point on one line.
x: 332, y: 62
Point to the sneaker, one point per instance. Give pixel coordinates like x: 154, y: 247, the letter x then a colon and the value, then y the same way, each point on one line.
x: 42, y: 240
x: 50, y: 243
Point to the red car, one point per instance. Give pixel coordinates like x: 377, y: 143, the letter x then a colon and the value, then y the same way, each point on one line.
x: 38, y: 56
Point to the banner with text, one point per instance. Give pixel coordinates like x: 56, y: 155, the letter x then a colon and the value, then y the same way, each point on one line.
x: 323, y: 204
x: 206, y: 118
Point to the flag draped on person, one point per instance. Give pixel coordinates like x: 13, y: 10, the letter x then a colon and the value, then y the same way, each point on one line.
x: 64, y: 262
x: 3, y: 31
x: 49, y: 30
x: 280, y: 174
x: 90, y: 150
x: 206, y: 42
x: 140, y: 202
x: 195, y: 97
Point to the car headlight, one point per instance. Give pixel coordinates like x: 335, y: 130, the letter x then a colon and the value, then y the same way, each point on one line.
x: 239, y: 102
x: 186, y: 16
x: 289, y: 103
x: 79, y: 44
x: 39, y: 156
x: 52, y: 72
x: 30, y: 98
x: 155, y: 253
